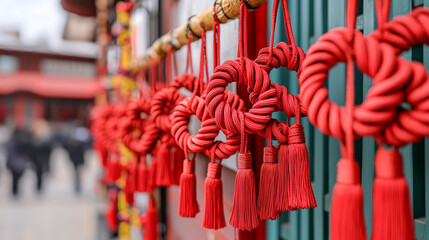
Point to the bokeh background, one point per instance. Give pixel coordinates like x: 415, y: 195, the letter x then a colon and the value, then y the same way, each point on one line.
x: 48, y: 172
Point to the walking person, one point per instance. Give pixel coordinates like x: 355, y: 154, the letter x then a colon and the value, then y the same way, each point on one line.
x: 19, y: 151
x: 42, y: 146
x: 77, y: 141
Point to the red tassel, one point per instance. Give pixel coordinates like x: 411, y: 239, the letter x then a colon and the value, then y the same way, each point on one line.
x: 143, y: 177
x: 188, y: 205
x: 300, y: 189
x: 131, y: 181
x: 129, y: 197
x: 214, y: 217
x: 268, y: 181
x: 152, y: 172
x: 111, y: 218
x: 179, y: 156
x: 163, y: 172
x: 347, y: 220
x: 104, y: 155
x: 151, y: 221
x: 392, y: 216
x: 283, y: 183
x: 114, y: 170
x: 244, y: 214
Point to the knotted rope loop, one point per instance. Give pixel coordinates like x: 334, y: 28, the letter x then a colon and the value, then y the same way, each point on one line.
x: 162, y: 103
x: 245, y: 71
x: 204, y: 140
x: 257, y: 81
x: 284, y: 55
x: 374, y: 59
x: 412, y: 124
x: 113, y: 129
x: 100, y: 127
x: 294, y: 50
x: 132, y: 125
x: 186, y: 81
x: 137, y: 109
x: 404, y: 32
x: 150, y: 136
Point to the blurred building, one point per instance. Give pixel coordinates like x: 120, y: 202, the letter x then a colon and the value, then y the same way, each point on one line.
x: 47, y: 62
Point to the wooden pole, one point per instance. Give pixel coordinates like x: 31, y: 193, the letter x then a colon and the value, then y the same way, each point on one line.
x: 224, y: 9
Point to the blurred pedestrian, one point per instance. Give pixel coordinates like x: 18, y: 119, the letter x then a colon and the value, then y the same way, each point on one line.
x: 19, y: 151
x: 78, y: 140
x: 42, y: 146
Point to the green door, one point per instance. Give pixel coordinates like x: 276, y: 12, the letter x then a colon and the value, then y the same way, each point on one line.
x: 310, y: 19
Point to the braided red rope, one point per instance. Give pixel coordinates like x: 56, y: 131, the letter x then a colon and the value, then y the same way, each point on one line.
x: 204, y: 141
x: 402, y: 33
x: 164, y: 101
x: 257, y: 81
x: 132, y: 126
x: 377, y: 60
x: 248, y: 72
x: 162, y: 104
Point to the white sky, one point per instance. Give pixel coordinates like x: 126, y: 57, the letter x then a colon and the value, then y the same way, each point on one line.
x: 39, y: 22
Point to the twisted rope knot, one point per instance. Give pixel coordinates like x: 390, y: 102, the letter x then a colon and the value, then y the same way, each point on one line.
x: 131, y: 132
x: 388, y: 163
x: 136, y: 108
x: 113, y: 130
x: 270, y: 155
x: 163, y: 102
x: 277, y: 130
x: 204, y: 140
x: 244, y: 160
x: 289, y: 57
x: 403, y: 32
x: 187, y: 81
x: 377, y: 60
x: 283, y: 55
x: 214, y: 170
x: 100, y: 128
x: 257, y: 81
x: 167, y: 139
x: 150, y: 136
x: 132, y: 125
x: 288, y: 102
x: 412, y: 124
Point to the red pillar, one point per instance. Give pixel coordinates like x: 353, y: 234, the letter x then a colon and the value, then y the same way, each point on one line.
x: 257, y: 39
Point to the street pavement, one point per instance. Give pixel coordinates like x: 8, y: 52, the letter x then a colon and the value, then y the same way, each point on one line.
x: 56, y: 214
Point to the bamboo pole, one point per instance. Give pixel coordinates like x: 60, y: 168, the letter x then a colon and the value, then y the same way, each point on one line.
x: 224, y: 9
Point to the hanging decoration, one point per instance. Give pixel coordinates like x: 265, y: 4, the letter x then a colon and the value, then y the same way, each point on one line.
x: 376, y: 56
x: 145, y: 142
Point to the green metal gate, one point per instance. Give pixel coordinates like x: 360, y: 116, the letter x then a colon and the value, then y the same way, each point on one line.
x: 310, y: 19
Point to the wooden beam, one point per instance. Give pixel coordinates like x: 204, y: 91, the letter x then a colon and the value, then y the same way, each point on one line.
x: 224, y: 10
